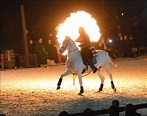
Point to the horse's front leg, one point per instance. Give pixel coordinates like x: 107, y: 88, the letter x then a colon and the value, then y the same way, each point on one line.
x: 81, y: 84
x: 67, y: 72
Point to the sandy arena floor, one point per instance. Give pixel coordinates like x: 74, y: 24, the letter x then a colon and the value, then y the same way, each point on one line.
x: 32, y: 91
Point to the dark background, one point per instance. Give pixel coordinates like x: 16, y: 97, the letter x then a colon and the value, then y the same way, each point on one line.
x: 42, y: 17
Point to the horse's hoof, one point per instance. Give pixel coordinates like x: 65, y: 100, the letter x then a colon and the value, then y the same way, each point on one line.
x: 80, y: 94
x: 96, y: 92
x: 58, y: 87
x: 99, y: 91
x: 114, y: 90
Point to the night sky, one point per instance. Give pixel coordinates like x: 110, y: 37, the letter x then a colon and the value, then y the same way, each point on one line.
x: 42, y: 16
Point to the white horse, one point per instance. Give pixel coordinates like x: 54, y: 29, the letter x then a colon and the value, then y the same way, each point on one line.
x: 74, y: 64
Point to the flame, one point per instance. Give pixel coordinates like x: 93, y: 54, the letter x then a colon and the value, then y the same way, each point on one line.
x: 72, y: 23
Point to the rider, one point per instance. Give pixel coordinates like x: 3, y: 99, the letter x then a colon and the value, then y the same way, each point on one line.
x: 85, y: 44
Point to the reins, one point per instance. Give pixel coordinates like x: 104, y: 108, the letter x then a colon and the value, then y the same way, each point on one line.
x: 87, y: 73
x: 69, y: 50
x: 73, y: 50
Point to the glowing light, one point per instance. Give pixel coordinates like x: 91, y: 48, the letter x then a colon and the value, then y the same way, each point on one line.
x: 110, y: 41
x: 72, y: 23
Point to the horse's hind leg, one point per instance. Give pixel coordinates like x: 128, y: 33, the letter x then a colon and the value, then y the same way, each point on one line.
x: 61, y: 77
x: 111, y: 78
x: 113, y: 87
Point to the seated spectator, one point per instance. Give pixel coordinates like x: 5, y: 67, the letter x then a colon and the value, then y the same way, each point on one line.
x: 131, y: 50
x: 130, y: 110
x: 101, y: 44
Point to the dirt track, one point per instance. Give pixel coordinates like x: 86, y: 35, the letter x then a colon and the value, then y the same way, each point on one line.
x: 32, y: 91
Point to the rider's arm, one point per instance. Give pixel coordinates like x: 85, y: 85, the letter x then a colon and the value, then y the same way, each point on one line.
x: 79, y: 39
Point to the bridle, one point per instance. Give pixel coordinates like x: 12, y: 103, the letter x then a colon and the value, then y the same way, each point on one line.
x: 64, y: 47
x: 70, y: 46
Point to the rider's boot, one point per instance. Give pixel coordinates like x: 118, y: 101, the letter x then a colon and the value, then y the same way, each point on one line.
x: 92, y: 65
x: 83, y: 71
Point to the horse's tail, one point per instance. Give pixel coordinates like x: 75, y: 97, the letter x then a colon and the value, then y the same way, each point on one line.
x: 110, y: 60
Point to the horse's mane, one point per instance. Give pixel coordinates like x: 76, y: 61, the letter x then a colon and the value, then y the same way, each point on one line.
x: 73, y: 42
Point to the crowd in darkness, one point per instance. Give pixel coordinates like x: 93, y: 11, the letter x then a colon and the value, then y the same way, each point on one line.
x: 44, y: 50
x: 121, y: 46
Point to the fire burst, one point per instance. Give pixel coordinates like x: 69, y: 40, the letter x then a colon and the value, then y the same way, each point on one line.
x: 73, y: 22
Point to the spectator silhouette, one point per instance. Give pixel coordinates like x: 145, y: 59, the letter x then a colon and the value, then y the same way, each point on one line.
x: 125, y: 41
x: 111, y: 48
x: 31, y: 46
x: 51, y: 50
x: 40, y: 52
x: 132, y: 50
x: 121, y: 46
x: 102, y: 44
x: 130, y: 110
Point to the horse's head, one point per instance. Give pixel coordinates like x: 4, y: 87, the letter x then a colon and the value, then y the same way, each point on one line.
x: 65, y: 44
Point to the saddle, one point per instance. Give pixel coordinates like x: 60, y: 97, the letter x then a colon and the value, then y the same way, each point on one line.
x: 86, y: 64
x: 93, y: 60
x: 94, y: 52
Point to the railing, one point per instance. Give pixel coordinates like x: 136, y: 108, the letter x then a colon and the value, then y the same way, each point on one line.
x: 10, y: 61
x: 89, y: 112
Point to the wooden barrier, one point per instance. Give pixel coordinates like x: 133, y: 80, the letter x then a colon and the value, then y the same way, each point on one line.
x: 99, y: 112
x: 9, y: 59
x: 2, y: 60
